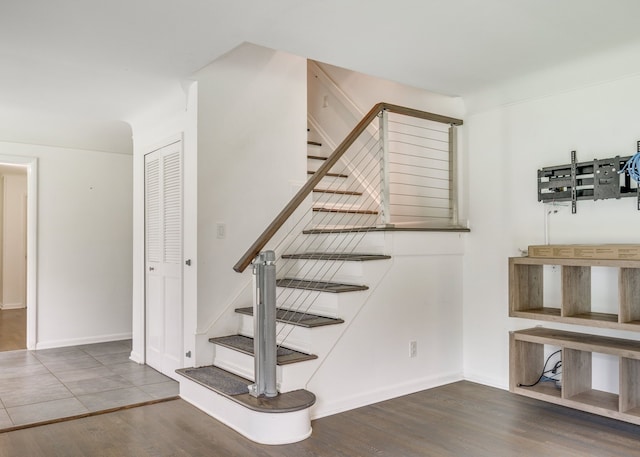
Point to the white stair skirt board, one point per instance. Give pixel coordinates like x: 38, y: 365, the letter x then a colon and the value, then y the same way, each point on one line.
x: 263, y: 428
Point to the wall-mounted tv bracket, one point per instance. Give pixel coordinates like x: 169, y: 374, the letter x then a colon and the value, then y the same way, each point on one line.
x: 594, y: 180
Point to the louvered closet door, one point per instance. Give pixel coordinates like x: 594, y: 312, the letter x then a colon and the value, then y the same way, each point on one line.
x: 163, y: 257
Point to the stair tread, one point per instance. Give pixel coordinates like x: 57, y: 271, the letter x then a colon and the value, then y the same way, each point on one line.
x: 322, y: 286
x: 308, y: 320
x: 352, y: 257
x: 332, y: 175
x: 314, y: 157
x: 236, y: 388
x: 325, y: 209
x: 244, y: 344
x: 314, y: 143
x: 337, y: 191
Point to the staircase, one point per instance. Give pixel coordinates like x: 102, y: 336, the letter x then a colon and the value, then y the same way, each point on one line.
x: 330, y: 258
x: 313, y: 278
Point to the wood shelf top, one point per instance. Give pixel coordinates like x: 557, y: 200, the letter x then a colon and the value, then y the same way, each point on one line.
x: 575, y: 262
x: 599, y: 320
x: 581, y: 341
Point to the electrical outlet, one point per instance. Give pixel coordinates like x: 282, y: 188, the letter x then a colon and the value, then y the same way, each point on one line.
x: 413, y: 349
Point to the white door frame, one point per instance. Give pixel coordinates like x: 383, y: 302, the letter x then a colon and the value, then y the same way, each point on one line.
x: 31, y: 164
x: 169, y: 142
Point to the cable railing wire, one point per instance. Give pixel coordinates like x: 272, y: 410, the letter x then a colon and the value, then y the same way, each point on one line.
x: 307, y: 231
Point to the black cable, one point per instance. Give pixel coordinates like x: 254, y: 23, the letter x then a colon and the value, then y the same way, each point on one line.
x: 544, y: 370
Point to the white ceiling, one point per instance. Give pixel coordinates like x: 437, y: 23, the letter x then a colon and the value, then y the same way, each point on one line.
x: 93, y: 64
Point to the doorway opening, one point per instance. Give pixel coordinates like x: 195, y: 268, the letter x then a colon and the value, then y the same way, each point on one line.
x: 13, y: 257
x: 17, y: 253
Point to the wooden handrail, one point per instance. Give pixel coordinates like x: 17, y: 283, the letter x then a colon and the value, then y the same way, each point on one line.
x: 302, y: 194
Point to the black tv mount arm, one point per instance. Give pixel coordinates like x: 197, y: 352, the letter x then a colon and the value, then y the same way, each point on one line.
x: 594, y: 180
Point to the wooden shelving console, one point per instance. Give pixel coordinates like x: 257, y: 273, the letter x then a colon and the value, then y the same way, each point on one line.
x: 526, y: 292
x: 527, y: 358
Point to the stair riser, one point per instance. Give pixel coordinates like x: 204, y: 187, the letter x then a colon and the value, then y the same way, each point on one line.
x: 339, y: 271
x: 330, y: 199
x: 287, y: 376
x: 321, y: 218
x: 299, y: 338
x: 314, y: 164
x: 233, y: 361
x: 321, y: 339
x: 371, y: 242
x: 333, y: 183
x: 322, y: 303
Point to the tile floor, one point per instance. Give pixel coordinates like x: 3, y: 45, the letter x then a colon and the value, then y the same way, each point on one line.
x: 37, y: 386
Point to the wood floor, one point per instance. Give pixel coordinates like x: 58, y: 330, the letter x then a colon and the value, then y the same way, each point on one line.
x: 13, y: 329
x: 457, y: 420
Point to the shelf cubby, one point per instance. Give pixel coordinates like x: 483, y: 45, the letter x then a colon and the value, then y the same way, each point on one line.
x: 526, y: 292
x: 526, y: 353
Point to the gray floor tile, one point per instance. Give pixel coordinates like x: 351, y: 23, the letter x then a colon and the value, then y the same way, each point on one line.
x: 59, y: 365
x: 5, y: 420
x: 83, y: 373
x: 112, y: 347
x: 34, y: 390
x: 113, y: 359
x: 39, y: 381
x: 49, y: 355
x: 162, y: 390
x: 55, y: 383
x: 90, y: 386
x: 139, y: 374
x: 12, y: 372
x: 17, y: 359
x: 114, y: 398
x: 56, y: 409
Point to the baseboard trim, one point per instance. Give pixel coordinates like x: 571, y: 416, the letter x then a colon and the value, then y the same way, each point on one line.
x: 80, y: 341
x: 323, y: 409
x: 485, y: 381
x: 8, y: 306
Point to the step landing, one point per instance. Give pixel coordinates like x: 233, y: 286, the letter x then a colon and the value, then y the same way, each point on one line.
x: 236, y: 388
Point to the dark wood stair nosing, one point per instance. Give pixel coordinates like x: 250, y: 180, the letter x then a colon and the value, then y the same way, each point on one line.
x: 313, y: 157
x: 331, y: 175
x: 337, y: 256
x: 293, y: 355
x: 319, y: 286
x: 338, y: 191
x: 313, y: 143
x: 323, y: 209
x: 287, y: 316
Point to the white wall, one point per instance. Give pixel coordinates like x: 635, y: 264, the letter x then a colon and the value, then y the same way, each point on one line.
x: 84, y: 244
x: 251, y: 159
x: 14, y: 242
x: 365, y: 91
x: 506, y: 145
x: 419, y: 299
